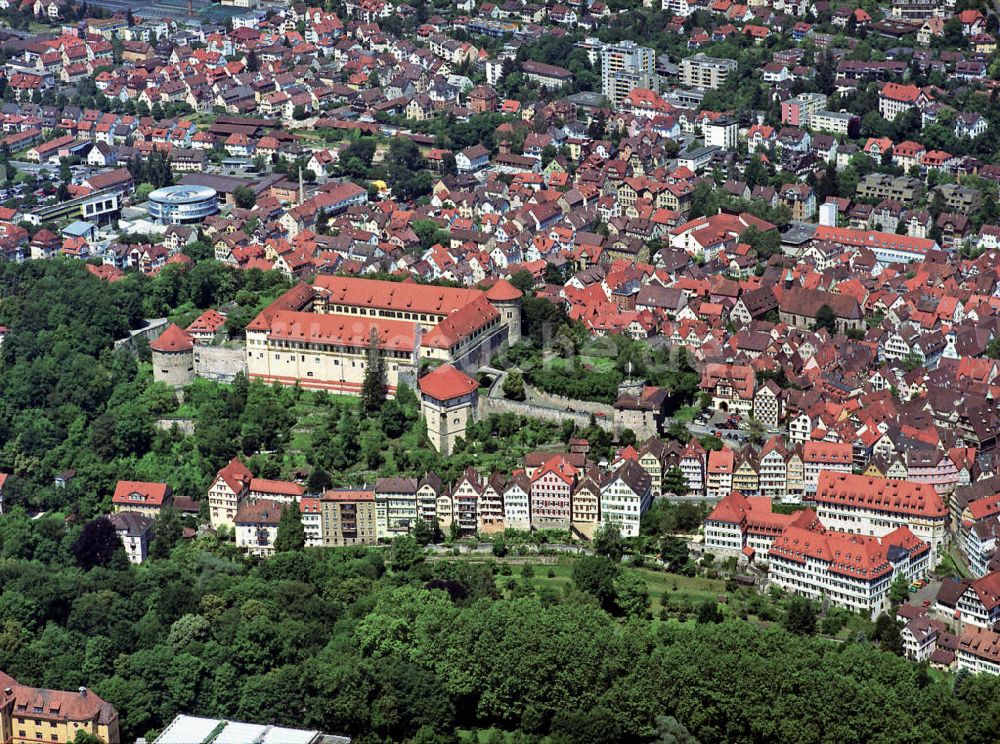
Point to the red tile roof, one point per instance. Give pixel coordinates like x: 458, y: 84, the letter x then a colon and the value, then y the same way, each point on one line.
x: 55, y: 705
x: 284, y: 488
x: 342, y: 330
x: 172, y: 340
x: 403, y: 296
x: 503, y: 291
x: 236, y: 475
x: 840, y: 453
x: 446, y: 383
x: 882, y: 494
x: 152, y: 494
x: 460, y: 324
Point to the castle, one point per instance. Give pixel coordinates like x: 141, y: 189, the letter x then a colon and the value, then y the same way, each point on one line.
x: 318, y: 335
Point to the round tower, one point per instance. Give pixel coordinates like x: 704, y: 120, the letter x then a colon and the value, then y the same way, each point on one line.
x: 506, y: 298
x: 173, y: 357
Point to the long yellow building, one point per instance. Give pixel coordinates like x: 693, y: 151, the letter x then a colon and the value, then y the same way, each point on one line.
x: 34, y: 714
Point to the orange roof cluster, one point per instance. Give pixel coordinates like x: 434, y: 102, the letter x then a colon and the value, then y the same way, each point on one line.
x: 881, y: 494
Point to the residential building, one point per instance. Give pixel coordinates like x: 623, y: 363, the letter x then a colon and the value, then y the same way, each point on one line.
x: 586, y: 506
x: 721, y: 133
x: 773, y: 469
x: 30, y: 714
x: 257, y: 526
x: 551, y: 494
x: 395, y: 506
x: 626, y: 66
x: 768, y: 404
x: 721, y: 464
x: 702, y: 71
x: 230, y: 487
x: 428, y: 491
x: 836, y: 122
x: 895, y: 98
x: 848, y: 570
x: 731, y: 387
x: 819, y: 457
x: 312, y: 521
x: 625, y: 496
x: 979, y: 604
x: 284, y: 492
x: 875, y: 507
x: 692, y: 465
x: 548, y: 76
x: 490, y: 514
x: 979, y: 651
x: 517, y: 503
x: 796, y: 112
x: 135, y: 530
x: 465, y: 498
x: 348, y: 518
x: 144, y: 498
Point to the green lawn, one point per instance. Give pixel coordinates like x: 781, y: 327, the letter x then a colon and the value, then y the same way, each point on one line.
x: 660, y: 584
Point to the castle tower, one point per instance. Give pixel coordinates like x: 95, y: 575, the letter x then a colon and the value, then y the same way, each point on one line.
x: 506, y: 298
x: 173, y: 357
x: 448, y: 401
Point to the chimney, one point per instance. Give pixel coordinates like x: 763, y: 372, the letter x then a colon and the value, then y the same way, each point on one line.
x: 83, y: 692
x: 8, y: 691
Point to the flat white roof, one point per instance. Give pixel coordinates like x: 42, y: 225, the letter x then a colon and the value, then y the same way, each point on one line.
x: 188, y: 730
x: 279, y: 735
x: 240, y: 733
x: 193, y: 730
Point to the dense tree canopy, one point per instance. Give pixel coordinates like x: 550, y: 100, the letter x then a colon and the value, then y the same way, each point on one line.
x: 329, y: 639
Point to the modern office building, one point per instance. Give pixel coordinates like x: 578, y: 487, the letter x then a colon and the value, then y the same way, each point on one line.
x: 177, y: 205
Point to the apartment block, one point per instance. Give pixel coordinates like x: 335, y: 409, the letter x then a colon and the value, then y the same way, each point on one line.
x: 348, y: 518
x: 702, y: 71
x: 625, y: 66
